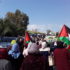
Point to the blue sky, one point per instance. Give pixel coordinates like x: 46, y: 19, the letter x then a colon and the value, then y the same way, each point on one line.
x: 43, y: 14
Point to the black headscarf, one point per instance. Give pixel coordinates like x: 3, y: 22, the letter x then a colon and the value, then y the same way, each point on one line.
x: 60, y: 44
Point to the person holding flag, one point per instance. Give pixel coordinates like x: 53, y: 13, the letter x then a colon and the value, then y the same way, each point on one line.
x: 61, y: 53
x: 26, y: 39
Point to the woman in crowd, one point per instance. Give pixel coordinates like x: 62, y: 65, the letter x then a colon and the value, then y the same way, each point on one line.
x: 32, y: 48
x: 34, y: 60
x: 15, y: 54
x: 61, y: 57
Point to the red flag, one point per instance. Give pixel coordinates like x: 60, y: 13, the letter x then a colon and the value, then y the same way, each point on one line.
x: 27, y: 38
x: 63, y: 32
x: 63, y: 36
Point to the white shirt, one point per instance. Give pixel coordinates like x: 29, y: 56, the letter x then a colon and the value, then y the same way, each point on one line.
x: 44, y: 45
x: 25, y: 52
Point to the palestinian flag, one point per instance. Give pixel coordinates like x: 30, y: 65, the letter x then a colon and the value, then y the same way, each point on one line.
x: 27, y: 38
x: 64, y: 35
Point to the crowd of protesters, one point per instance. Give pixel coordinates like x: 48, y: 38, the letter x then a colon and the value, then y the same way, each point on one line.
x: 38, y: 54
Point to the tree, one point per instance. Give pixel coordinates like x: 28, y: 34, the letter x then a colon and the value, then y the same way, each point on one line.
x: 57, y: 33
x: 1, y: 26
x: 48, y: 31
x: 14, y: 24
x: 18, y: 18
x: 9, y: 28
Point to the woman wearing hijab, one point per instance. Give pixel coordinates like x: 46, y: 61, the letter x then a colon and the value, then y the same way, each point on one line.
x: 34, y: 60
x: 15, y: 53
x: 61, y: 57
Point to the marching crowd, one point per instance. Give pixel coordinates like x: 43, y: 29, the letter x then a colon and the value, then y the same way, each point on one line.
x: 36, y: 54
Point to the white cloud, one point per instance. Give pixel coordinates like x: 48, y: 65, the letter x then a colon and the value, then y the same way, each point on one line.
x: 43, y: 28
